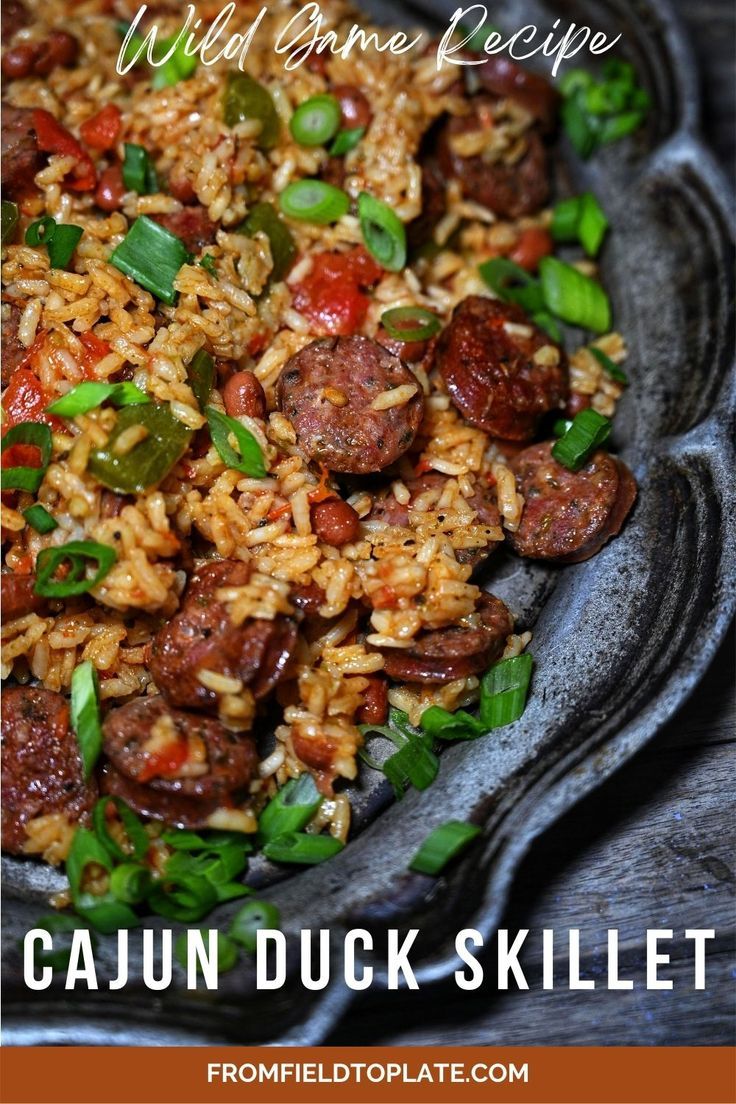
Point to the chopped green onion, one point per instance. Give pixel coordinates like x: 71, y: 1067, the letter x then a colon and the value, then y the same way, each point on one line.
x: 39, y: 232
x: 201, y: 376
x: 40, y: 519
x: 597, y: 112
x: 209, y: 264
x: 566, y: 219
x: 26, y: 478
x: 291, y: 809
x: 104, y: 912
x: 573, y: 297
x: 136, y: 834
x: 315, y: 121
x: 139, y: 174
x: 263, y: 218
x: 148, y: 462
x: 91, y: 394
x: 185, y: 897
x: 246, y: 99
x: 249, y: 459
x: 512, y: 283
x: 182, y: 839
x: 588, y: 431
x: 227, y: 950
x: 302, y: 848
x: 561, y: 426
x: 609, y: 367
x: 60, y: 923
x: 218, y: 867
x: 440, y: 724
x: 580, y: 219
x: 85, y: 714
x: 78, y: 554
x: 504, y: 689
x: 546, y: 322
x: 180, y: 66
x: 443, y: 844
x: 130, y: 882
x: 383, y: 232
x: 9, y: 216
x: 152, y: 256
x: 250, y: 919
x: 345, y: 141
x: 410, y: 323
x: 414, y: 764
x: 314, y: 201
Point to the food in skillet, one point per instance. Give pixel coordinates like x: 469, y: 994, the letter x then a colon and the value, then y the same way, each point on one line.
x: 283, y: 370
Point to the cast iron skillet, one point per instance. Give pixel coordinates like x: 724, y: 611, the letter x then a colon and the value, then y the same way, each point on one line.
x: 619, y: 641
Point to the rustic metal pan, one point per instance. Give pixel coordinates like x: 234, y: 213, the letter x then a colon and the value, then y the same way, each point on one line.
x: 619, y: 641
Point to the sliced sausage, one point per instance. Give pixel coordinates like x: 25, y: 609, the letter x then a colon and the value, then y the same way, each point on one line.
x: 510, y: 190
x: 13, y: 351
x: 42, y: 770
x: 456, y: 652
x: 192, y: 224
x: 374, y: 709
x: 176, y: 810
x: 502, y: 372
x: 243, y: 394
x: 18, y: 597
x: 21, y: 157
x: 503, y: 77
x: 201, y: 637
x: 335, y: 522
x: 153, y: 744
x: 568, y: 516
x: 434, y: 203
x: 328, y: 391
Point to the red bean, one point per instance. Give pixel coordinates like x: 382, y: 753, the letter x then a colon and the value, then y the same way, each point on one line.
x: 243, y: 394
x: 576, y: 402
x: 356, y: 111
x: 18, y: 61
x: 335, y: 522
x: 110, y: 189
x: 60, y: 48
x: 374, y: 709
x: 533, y: 244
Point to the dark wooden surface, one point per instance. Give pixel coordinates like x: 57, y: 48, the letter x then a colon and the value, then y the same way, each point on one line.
x: 652, y: 849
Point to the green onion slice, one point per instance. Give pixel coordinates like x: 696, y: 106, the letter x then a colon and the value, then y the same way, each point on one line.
x: 246, y: 99
x: 9, y: 216
x: 139, y: 174
x: 85, y: 714
x: 315, y: 121
x: 130, y: 882
x: 512, y: 283
x: 148, y: 462
x: 60, y: 240
x: 314, y: 201
x: 291, y: 809
x: 249, y: 460
x: 593, y: 224
x: 91, y: 394
x: 209, y: 264
x: 104, y: 912
x: 152, y: 256
x: 263, y: 218
x: 227, y: 950
x: 383, y: 232
x: 180, y: 66
x: 39, y: 232
x: 440, y: 724
x: 249, y: 920
x: 26, y: 478
x: 443, y: 844
x: 546, y: 322
x: 60, y: 923
x: 345, y: 141
x: 410, y: 323
x: 183, y: 839
x: 566, y: 219
x: 609, y: 367
x: 573, y: 297
x: 201, y: 377
x: 302, y: 848
x: 504, y: 689
x: 414, y: 764
x: 185, y: 897
x: 78, y: 555
x: 136, y: 834
x: 40, y: 519
x: 588, y: 432
x: 561, y: 426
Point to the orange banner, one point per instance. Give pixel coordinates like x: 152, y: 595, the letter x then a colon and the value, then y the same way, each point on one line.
x: 362, y: 1075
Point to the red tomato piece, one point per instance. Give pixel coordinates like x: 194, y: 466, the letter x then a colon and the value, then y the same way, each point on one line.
x: 52, y: 137
x: 533, y: 244
x: 102, y: 131
x: 333, y: 295
x: 25, y: 401
x: 94, y: 350
x: 166, y: 761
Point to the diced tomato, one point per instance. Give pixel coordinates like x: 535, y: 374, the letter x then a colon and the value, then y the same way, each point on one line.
x: 385, y: 598
x: 94, y: 350
x: 533, y: 244
x: 102, y: 131
x: 424, y: 465
x: 166, y: 761
x: 21, y: 456
x: 321, y: 492
x: 258, y: 343
x: 333, y: 295
x: 24, y: 400
x: 277, y: 512
x: 52, y: 137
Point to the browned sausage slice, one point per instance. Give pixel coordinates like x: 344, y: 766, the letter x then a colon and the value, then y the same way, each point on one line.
x: 18, y: 597
x: 455, y: 652
x: 13, y: 351
x: 177, y: 752
x: 568, y: 516
x: 334, y: 391
x: 201, y: 637
x: 21, y: 157
x: 502, y: 372
x: 503, y: 77
x: 41, y: 767
x: 176, y: 810
x: 192, y: 224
